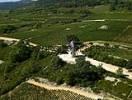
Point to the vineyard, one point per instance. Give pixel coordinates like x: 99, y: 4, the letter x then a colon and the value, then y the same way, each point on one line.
x: 52, y: 25
x: 30, y: 92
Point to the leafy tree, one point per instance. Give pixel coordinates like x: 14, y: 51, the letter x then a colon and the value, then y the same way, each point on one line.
x: 62, y: 49
x: 2, y: 44
x: 57, y: 62
x: 72, y: 37
x: 8, y: 29
x: 76, y: 40
x: 80, y: 62
x: 21, y: 52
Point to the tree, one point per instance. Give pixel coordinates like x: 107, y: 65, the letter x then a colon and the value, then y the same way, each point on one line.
x: 72, y: 38
x: 57, y: 62
x: 21, y: 52
x: 76, y: 40
x: 80, y: 62
x: 2, y: 44
x: 112, y: 7
x: 62, y: 49
x: 8, y: 29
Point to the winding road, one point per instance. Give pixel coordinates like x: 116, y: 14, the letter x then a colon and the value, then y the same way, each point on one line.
x: 72, y: 60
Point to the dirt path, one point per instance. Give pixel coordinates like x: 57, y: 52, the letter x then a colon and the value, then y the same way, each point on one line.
x: 101, y: 43
x: 71, y: 89
x: 109, y: 67
x: 14, y: 39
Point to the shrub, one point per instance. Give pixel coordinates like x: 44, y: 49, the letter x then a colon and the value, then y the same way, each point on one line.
x: 57, y: 62
x: 62, y: 49
x: 2, y: 44
x: 38, y: 53
x: 129, y: 64
x: 72, y: 37
x: 21, y: 52
x: 8, y: 29
x: 81, y: 62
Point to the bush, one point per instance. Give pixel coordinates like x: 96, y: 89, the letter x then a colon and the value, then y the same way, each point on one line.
x: 59, y: 80
x: 81, y: 62
x: 72, y: 38
x: 2, y: 44
x: 62, y: 49
x: 129, y: 64
x: 38, y: 53
x: 8, y: 29
x: 20, y: 53
x: 9, y: 66
x: 57, y: 62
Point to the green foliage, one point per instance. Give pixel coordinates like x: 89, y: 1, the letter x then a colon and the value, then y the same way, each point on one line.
x: 12, y: 73
x: 38, y: 53
x: 8, y: 29
x: 83, y: 73
x: 57, y: 63
x: 81, y: 62
x: 3, y: 44
x: 21, y: 52
x: 123, y: 4
x: 68, y: 3
x: 9, y: 66
x: 129, y: 64
x: 62, y: 49
x: 129, y: 6
x: 72, y: 38
x: 102, y: 54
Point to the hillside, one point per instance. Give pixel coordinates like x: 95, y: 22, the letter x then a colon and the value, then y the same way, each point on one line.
x: 35, y: 56
x: 14, y: 5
